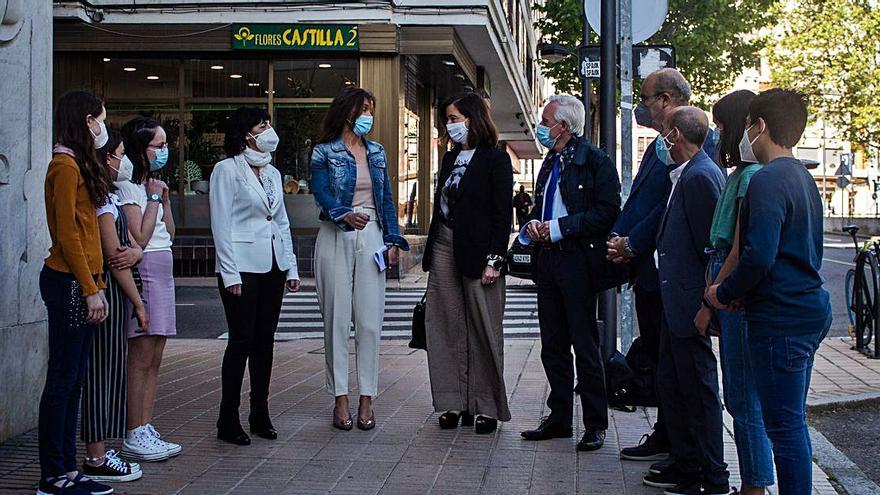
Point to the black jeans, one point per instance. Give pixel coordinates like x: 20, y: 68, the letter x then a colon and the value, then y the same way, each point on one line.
x: 649, y: 311
x: 687, y: 385
x: 567, y: 315
x: 252, y: 319
x: 70, y: 343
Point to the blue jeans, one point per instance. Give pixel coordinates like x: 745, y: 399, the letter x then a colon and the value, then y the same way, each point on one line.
x: 740, y: 395
x: 784, y: 365
x: 70, y: 343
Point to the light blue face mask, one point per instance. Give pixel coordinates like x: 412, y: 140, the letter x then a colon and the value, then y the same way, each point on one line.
x: 161, y: 159
x: 716, y: 135
x: 544, y: 136
x: 363, y: 125
x: 662, y: 150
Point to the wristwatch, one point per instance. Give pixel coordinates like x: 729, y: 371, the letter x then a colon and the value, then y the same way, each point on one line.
x: 154, y: 197
x: 495, y: 261
x: 628, y: 249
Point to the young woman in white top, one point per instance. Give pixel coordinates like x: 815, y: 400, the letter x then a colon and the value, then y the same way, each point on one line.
x: 255, y: 262
x: 146, y: 206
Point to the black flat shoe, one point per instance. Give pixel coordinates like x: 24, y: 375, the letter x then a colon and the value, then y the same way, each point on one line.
x: 548, y: 430
x: 448, y: 420
x: 235, y: 436
x: 592, y: 440
x: 484, y: 425
x: 268, y: 433
x: 263, y: 427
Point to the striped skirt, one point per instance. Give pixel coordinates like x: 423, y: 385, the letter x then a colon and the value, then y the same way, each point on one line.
x: 105, y: 389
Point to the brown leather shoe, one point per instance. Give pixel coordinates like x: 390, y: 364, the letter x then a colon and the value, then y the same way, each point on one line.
x: 367, y: 424
x: 342, y: 424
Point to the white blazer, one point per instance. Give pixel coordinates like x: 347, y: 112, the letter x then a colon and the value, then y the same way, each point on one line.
x: 247, y: 231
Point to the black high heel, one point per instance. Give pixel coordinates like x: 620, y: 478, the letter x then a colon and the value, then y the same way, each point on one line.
x: 263, y: 428
x: 484, y: 425
x: 234, y: 435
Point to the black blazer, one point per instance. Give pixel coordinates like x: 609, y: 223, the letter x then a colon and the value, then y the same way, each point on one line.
x: 483, y: 212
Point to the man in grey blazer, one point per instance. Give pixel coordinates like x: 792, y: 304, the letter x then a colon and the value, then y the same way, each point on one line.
x: 687, y: 376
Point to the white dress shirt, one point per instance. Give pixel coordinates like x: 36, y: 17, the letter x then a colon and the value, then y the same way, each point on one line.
x: 557, y: 211
x: 674, y: 175
x: 249, y: 229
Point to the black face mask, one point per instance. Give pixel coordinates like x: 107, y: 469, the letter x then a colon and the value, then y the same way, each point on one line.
x: 643, y: 115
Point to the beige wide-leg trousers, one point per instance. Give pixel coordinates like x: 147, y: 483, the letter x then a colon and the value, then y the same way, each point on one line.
x: 465, y: 337
x: 350, y: 284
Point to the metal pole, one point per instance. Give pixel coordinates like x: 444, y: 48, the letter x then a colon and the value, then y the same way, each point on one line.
x: 607, y: 301
x: 585, y: 82
x: 626, y: 175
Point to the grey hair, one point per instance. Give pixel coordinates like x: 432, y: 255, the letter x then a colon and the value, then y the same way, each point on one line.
x: 692, y: 122
x: 569, y: 110
x: 672, y: 82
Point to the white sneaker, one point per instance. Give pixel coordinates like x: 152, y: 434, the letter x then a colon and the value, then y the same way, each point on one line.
x: 140, y: 444
x: 173, y: 448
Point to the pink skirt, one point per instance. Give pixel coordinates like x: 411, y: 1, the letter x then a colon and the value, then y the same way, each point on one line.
x: 157, y: 274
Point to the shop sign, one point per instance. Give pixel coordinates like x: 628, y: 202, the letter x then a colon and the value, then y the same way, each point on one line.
x: 335, y: 37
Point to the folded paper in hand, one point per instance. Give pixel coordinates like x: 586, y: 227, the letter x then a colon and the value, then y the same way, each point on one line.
x: 379, y: 258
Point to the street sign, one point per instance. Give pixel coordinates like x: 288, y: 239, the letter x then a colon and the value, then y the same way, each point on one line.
x: 645, y: 60
x: 647, y: 17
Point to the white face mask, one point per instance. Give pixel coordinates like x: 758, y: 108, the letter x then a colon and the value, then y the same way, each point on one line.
x: 746, y: 153
x: 458, y: 132
x: 125, y: 171
x: 102, y: 136
x: 266, y: 141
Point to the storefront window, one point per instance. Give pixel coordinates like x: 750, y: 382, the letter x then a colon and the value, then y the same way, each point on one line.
x: 408, y: 176
x: 127, y: 78
x: 226, y: 78
x: 299, y: 128
x: 314, y: 78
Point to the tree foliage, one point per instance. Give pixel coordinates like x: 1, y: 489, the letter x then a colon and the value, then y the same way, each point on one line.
x: 830, y: 51
x: 714, y: 39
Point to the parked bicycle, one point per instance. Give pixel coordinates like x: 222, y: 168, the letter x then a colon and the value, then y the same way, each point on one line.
x: 861, y: 288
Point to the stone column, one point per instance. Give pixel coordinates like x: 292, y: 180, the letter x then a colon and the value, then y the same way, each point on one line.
x: 25, y: 151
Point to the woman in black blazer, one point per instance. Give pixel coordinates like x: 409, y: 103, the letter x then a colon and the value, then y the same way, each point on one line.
x: 465, y: 255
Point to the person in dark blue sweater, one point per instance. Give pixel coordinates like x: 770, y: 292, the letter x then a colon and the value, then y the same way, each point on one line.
x: 777, y: 279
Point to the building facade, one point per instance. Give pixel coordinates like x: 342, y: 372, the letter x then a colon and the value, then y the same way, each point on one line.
x: 25, y: 151
x: 190, y: 64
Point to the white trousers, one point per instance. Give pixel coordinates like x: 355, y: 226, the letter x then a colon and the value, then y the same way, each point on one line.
x: 350, y: 288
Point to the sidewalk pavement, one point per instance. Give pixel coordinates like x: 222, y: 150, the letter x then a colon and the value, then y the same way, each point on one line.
x: 406, y: 454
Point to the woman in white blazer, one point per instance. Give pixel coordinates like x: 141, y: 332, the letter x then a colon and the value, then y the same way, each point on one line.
x: 255, y: 262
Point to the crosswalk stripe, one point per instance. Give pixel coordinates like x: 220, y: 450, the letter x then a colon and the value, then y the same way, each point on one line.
x: 301, y: 316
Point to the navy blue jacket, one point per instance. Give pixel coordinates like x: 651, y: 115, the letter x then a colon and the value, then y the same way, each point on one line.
x: 780, y: 253
x: 641, y: 215
x: 682, y: 240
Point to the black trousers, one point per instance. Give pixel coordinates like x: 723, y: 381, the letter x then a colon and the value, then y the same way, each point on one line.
x: 687, y: 383
x: 567, y: 315
x: 649, y: 311
x: 252, y: 319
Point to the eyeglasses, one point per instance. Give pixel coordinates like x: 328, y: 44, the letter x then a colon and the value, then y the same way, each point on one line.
x: 117, y: 157
x: 158, y: 147
x: 645, y: 99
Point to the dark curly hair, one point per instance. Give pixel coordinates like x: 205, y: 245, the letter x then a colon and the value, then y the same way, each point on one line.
x: 239, y: 126
x: 346, y: 107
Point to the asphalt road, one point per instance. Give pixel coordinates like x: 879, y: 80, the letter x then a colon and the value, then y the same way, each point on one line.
x: 200, y: 313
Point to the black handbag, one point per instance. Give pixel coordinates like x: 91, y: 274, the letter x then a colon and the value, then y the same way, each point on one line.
x: 418, y: 340
x: 604, y: 274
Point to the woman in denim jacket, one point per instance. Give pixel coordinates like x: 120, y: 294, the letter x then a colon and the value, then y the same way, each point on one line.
x: 358, y: 219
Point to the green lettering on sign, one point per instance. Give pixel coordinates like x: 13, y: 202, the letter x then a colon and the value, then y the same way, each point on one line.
x: 295, y: 37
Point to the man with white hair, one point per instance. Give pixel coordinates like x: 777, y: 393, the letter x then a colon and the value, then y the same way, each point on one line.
x: 577, y: 199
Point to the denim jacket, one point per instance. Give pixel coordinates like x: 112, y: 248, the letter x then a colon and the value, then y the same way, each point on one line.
x: 334, y: 174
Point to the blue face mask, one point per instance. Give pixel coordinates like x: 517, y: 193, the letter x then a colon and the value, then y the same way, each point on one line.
x: 161, y: 159
x: 544, y: 136
x: 662, y: 149
x: 716, y: 135
x: 363, y: 125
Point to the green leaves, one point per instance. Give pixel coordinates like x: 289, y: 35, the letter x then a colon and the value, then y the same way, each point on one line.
x: 830, y: 51
x: 715, y: 40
